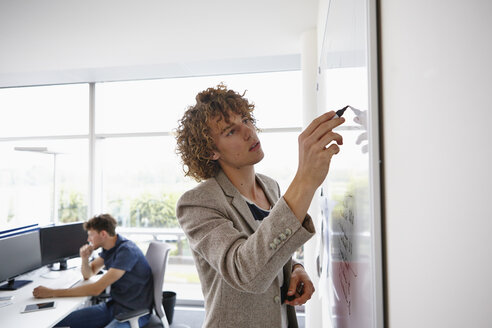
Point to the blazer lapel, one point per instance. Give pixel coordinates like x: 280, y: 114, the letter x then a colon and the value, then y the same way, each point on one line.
x: 237, y: 200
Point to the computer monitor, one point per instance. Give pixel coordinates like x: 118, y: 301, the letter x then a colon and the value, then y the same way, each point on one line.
x: 19, y: 254
x: 61, y: 242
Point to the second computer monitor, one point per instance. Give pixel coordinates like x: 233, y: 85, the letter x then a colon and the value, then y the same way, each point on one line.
x: 61, y: 242
x: 19, y: 254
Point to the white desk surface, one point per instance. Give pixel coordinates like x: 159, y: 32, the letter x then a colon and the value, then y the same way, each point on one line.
x: 11, y: 316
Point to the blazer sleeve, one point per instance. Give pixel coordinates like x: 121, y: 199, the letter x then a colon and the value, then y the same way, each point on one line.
x: 248, y: 263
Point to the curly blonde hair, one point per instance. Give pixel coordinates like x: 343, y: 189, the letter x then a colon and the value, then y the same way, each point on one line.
x: 193, y: 135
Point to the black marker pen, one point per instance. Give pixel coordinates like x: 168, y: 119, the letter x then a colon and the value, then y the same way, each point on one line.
x: 340, y: 112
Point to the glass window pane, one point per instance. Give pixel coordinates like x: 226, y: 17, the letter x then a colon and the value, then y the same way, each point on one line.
x: 44, y: 111
x: 142, y: 179
x: 27, y: 177
x: 157, y: 105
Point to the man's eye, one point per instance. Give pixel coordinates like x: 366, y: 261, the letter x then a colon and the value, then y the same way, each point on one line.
x: 231, y: 132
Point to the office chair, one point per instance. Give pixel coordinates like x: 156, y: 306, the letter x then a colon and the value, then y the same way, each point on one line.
x: 157, y: 255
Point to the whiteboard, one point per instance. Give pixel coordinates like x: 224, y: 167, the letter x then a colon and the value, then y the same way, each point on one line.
x: 349, y: 252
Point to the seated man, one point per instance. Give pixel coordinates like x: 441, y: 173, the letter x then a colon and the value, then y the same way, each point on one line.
x: 129, y: 276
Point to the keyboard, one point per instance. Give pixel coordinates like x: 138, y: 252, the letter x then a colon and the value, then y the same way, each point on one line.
x: 69, y: 283
x: 65, y: 280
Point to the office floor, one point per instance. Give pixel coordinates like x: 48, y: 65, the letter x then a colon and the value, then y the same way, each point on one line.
x: 192, y: 317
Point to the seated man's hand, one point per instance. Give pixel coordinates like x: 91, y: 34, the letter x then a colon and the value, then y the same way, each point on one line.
x: 300, y: 286
x: 86, y: 251
x: 43, y: 292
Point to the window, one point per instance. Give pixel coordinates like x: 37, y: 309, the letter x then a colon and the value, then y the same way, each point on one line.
x: 44, y: 111
x: 138, y: 178
x: 43, y: 146
x: 142, y: 180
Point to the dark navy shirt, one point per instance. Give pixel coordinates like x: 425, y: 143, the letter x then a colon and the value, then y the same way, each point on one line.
x: 134, y: 290
x: 258, y: 213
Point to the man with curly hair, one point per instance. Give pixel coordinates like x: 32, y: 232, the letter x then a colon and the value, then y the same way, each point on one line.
x: 241, y: 230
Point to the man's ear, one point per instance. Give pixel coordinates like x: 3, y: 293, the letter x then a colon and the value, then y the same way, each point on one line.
x: 215, y: 155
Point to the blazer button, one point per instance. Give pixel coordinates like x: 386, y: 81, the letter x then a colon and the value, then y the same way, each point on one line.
x: 273, y: 246
x: 288, y: 232
x: 282, y: 236
x: 276, y: 241
x: 276, y: 299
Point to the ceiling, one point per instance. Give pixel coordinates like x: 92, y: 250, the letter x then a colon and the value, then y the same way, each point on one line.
x: 60, y: 40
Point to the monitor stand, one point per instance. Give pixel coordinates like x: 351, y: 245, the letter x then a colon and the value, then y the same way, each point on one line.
x: 14, y: 284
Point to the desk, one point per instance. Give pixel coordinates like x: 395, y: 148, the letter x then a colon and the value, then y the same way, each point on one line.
x: 11, y: 316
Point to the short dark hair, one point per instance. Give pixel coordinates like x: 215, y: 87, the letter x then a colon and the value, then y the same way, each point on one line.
x: 102, y: 222
x: 194, y: 141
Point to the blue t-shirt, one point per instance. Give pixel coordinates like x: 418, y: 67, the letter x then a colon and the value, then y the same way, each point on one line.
x: 258, y: 213
x: 134, y: 290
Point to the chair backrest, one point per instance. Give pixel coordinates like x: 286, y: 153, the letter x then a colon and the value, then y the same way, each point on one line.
x: 157, y: 255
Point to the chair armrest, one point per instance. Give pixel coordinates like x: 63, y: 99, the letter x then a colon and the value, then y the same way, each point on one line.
x: 131, y: 314
x: 103, y: 297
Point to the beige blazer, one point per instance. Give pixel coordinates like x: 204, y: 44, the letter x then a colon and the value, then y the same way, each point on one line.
x: 239, y: 259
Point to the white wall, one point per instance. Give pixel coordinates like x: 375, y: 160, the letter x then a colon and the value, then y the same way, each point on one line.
x: 437, y: 117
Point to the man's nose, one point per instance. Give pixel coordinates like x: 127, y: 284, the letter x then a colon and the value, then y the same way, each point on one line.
x: 247, y: 132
